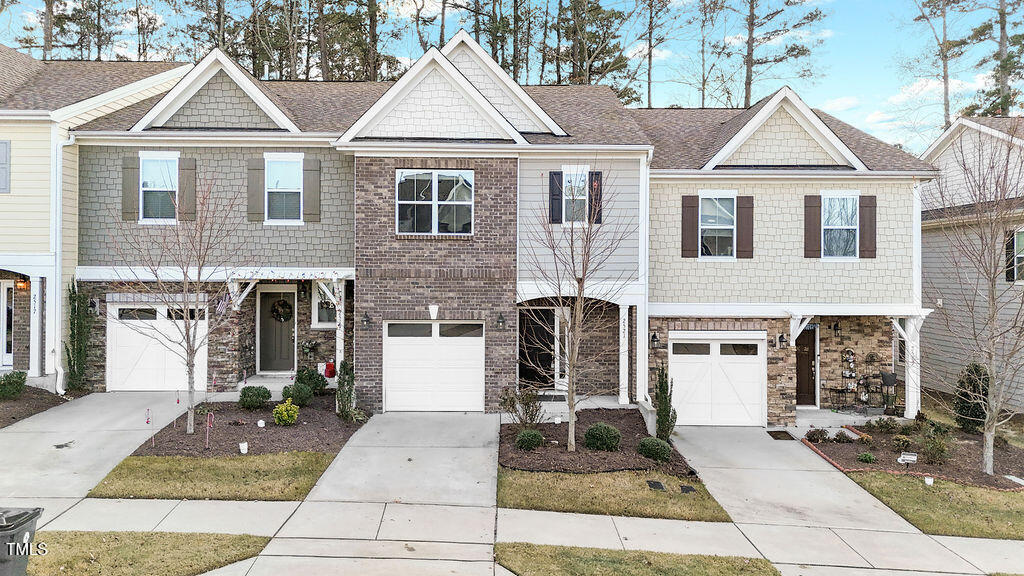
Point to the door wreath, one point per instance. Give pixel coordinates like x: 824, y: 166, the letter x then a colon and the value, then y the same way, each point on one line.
x: 281, y: 311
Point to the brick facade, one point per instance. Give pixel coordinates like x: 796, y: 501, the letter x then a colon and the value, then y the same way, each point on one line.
x: 470, y: 278
x: 21, y: 320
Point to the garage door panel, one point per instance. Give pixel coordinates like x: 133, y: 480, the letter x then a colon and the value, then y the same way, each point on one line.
x: 443, y: 371
x: 718, y: 382
x: 140, y: 354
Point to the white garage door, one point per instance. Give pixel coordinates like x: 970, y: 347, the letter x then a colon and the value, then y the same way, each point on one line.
x: 138, y: 352
x: 434, y: 366
x: 719, y: 380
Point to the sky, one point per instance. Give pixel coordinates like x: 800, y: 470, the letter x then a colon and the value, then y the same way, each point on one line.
x: 859, y: 77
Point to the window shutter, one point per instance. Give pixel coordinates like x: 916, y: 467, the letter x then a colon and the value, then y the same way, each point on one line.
x: 812, y: 226
x: 1011, y: 252
x: 868, y: 226
x: 555, y: 197
x: 5, y: 166
x: 186, y: 189
x: 595, y: 197
x: 690, y: 227
x: 130, y: 188
x: 744, y: 226
x: 255, y: 190
x: 311, y: 190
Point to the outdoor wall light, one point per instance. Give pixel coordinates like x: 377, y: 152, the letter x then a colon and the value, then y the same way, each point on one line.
x: 655, y: 340
x: 837, y: 329
x: 21, y: 284
x: 501, y: 321
x: 366, y: 320
x: 783, y: 341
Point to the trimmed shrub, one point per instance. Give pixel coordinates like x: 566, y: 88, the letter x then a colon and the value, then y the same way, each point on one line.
x: 866, y: 457
x: 314, y: 380
x: 971, y: 392
x: 253, y: 397
x: 286, y: 414
x: 300, y: 394
x: 665, y: 414
x: 841, y: 437
x: 866, y: 440
x: 887, y: 425
x: 603, y: 437
x: 901, y: 443
x: 12, y: 385
x: 655, y: 449
x: 522, y: 404
x: 936, y: 450
x: 817, y: 435
x: 529, y: 439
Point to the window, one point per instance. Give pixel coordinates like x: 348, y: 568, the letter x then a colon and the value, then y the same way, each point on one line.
x: 434, y: 202
x: 283, y: 178
x: 691, y: 349
x: 158, y: 187
x: 575, y: 198
x: 179, y: 314
x: 901, y: 344
x: 840, y: 223
x: 718, y: 224
x: 410, y: 330
x: 734, y: 349
x: 324, y: 314
x: 461, y: 330
x: 136, y: 314
x: 1018, y: 255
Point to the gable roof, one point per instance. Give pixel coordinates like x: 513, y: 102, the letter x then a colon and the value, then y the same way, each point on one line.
x: 1008, y: 128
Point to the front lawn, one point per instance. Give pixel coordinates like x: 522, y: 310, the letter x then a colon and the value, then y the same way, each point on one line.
x: 134, y: 553
x: 281, y: 476
x: 948, y: 508
x: 534, y: 560
x: 623, y: 493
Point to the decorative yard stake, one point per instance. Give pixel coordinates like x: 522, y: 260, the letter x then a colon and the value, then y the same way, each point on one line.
x: 149, y: 422
x: 209, y: 424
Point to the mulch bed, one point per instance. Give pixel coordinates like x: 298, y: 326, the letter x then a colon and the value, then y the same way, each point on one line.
x: 553, y: 457
x: 32, y: 401
x: 963, y: 465
x: 318, y: 430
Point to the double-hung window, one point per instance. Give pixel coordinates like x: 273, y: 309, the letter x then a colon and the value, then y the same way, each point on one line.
x: 718, y: 224
x: 283, y: 181
x: 324, y: 313
x: 840, y: 224
x: 575, y: 196
x: 1018, y: 255
x: 158, y: 187
x: 434, y: 202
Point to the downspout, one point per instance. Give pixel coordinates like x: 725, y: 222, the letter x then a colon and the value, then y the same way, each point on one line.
x: 59, y: 257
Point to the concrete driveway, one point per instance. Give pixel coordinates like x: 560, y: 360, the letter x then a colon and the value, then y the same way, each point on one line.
x: 759, y: 480
x: 96, y: 432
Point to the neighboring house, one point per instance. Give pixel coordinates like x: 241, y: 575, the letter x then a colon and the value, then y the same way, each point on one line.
x: 979, y: 145
x: 40, y: 102
x: 767, y: 240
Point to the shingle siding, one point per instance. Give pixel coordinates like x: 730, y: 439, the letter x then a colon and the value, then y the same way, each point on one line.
x: 780, y: 141
x: 221, y: 103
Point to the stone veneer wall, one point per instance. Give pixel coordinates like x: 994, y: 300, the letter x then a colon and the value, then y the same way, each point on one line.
x: 862, y: 334
x: 469, y: 277
x: 21, y: 319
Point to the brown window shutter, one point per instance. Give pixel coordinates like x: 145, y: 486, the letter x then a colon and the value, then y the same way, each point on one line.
x: 555, y: 197
x: 311, y: 190
x: 130, y: 188
x: 186, y: 189
x: 812, y: 226
x: 868, y: 226
x: 744, y: 226
x: 690, y: 227
x: 255, y: 190
x: 1011, y: 252
x: 595, y: 197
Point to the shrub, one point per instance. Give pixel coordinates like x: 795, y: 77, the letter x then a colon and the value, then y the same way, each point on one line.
x: 602, y: 436
x: 655, y: 449
x: 921, y: 418
x: 841, y: 437
x: 866, y: 457
x: 522, y: 404
x: 12, y: 385
x: 253, y: 397
x: 817, y: 435
x: 665, y: 415
x: 866, y: 440
x: 300, y: 394
x: 887, y: 425
x: 345, y: 395
x: 313, y: 380
x: 938, y: 430
x: 529, y: 439
x: 286, y: 414
x: 901, y: 443
x: 869, y: 426
x: 76, y: 345
x: 908, y: 429
x: 971, y: 392
x: 936, y: 450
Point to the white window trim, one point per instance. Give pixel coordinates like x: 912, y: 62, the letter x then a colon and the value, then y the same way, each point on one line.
x: 1017, y: 280
x: 576, y: 169
x: 827, y: 194
x: 286, y: 157
x: 700, y: 226
x: 435, y: 203
x: 315, y: 322
x: 157, y: 155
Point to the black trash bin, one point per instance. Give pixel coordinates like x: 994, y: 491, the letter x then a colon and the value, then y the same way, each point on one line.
x: 17, y: 528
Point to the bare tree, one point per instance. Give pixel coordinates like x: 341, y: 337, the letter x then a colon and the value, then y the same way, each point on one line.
x: 709, y: 70
x: 181, y: 267
x: 573, y: 262
x: 945, y: 48
x: 980, y: 199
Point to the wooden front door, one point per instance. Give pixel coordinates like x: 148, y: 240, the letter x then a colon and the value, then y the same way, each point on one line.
x: 277, y: 331
x: 806, y: 352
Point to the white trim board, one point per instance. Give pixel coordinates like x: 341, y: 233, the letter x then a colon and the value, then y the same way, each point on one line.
x: 783, y: 310
x: 218, y: 274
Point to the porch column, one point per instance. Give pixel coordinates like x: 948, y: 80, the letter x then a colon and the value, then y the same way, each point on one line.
x: 913, y: 366
x: 623, y: 354
x: 642, y: 342
x: 339, y: 319
x: 35, y: 326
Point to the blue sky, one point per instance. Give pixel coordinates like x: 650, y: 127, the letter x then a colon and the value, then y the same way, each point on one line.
x: 860, y: 79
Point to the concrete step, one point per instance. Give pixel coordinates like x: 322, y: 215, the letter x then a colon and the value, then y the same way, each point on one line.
x: 379, y: 549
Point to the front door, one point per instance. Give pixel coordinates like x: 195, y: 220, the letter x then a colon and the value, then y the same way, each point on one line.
x: 536, y: 346
x: 277, y: 331
x: 806, y: 353
x: 6, y: 323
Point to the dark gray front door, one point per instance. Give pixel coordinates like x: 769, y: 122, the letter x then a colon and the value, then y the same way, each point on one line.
x: 277, y: 331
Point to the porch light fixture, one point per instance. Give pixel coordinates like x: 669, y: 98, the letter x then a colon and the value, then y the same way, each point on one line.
x: 21, y: 284
x: 783, y: 341
x: 837, y: 329
x: 655, y: 341
x: 501, y: 321
x: 366, y: 320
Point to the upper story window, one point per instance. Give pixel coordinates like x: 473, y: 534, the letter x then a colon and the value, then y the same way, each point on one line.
x: 718, y: 224
x: 324, y: 313
x: 434, y: 202
x: 575, y: 199
x: 5, y: 166
x: 158, y: 187
x: 283, y: 190
x: 840, y: 225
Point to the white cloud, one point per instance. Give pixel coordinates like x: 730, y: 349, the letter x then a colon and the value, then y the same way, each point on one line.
x: 931, y: 88
x: 841, y: 104
x: 638, y: 51
x: 880, y: 118
x: 407, y: 8
x: 787, y: 38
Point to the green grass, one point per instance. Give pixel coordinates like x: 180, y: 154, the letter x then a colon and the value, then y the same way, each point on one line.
x: 281, y: 476
x: 616, y: 493
x: 937, y: 406
x: 948, y: 508
x: 134, y: 553
x: 533, y: 560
